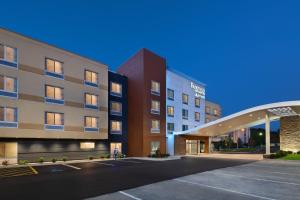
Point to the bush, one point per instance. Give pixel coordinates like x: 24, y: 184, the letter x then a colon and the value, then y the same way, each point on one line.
x: 54, y: 160
x: 41, y: 160
x: 64, y: 159
x: 298, y: 152
x: 91, y: 158
x: 5, y: 162
x: 103, y: 156
x: 107, y: 156
x: 23, y: 162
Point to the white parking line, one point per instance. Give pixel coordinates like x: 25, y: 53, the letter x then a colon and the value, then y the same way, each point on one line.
x: 257, y: 179
x: 129, y: 195
x: 224, y: 189
x: 71, y: 166
x: 128, y: 161
x: 101, y: 163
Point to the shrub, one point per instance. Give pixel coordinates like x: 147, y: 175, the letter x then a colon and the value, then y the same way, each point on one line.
x: 54, y: 160
x: 107, y: 156
x: 298, y: 152
x: 23, y: 162
x: 64, y: 159
x: 91, y: 158
x: 290, y: 152
x: 41, y: 160
x: 5, y: 162
x: 103, y: 156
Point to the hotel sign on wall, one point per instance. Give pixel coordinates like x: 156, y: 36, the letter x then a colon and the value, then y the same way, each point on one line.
x: 199, y: 91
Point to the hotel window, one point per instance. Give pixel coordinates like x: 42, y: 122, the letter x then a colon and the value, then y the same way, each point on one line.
x: 91, y: 123
x: 54, y: 94
x: 91, y: 101
x: 54, y: 68
x: 170, y: 127
x: 185, y: 114
x: 155, y: 126
x: 154, y: 146
x: 185, y: 127
x: 197, y: 102
x: 207, y: 110
x: 170, y: 111
x: 155, y: 107
x: 116, y: 89
x: 116, y: 127
x: 155, y: 88
x: 170, y: 94
x: 116, y: 108
x: 8, y: 86
x: 185, y: 98
x: 207, y: 120
x: 54, y: 120
x: 215, y: 112
x: 8, y: 117
x: 197, y: 116
x: 87, y: 145
x: 8, y: 56
x: 91, y: 78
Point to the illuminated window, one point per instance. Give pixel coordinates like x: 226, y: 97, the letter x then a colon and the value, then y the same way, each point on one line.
x: 185, y: 114
x: 116, y: 127
x: 155, y: 87
x: 170, y: 94
x: 197, y: 116
x: 53, y: 118
x: 197, y: 102
x: 8, y: 114
x: 91, y: 101
x: 170, y: 111
x: 116, y: 108
x: 155, y: 127
x: 116, y: 89
x: 53, y: 92
x: 216, y: 112
x: 91, y: 78
x: 154, y: 146
x: 54, y: 68
x: 185, y: 99
x: 91, y: 122
x: 87, y: 145
x: 8, y: 53
x: 170, y: 127
x: 8, y: 86
x: 155, y: 107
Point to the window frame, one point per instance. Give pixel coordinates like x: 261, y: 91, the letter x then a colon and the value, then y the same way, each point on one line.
x: 54, y: 100
x: 91, y: 106
x: 168, y: 111
x: 9, y: 94
x: 155, y: 130
x: 183, y: 116
x: 89, y: 83
x: 7, y: 63
x: 54, y: 127
x: 91, y: 129
x: 116, y: 132
x: 153, y: 111
x: 54, y: 74
x: 114, y: 93
x: 185, y: 125
x: 114, y: 112
x: 170, y: 131
x: 186, y: 103
x: 172, y: 99
x: 10, y: 124
x: 197, y: 98
x: 153, y: 91
x: 197, y: 120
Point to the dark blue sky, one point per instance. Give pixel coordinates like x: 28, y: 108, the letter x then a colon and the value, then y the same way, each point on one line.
x: 247, y: 52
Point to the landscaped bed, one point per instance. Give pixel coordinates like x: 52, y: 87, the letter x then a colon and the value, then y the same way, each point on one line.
x: 285, y: 155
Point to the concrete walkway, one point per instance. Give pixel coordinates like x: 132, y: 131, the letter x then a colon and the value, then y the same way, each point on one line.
x: 243, y: 156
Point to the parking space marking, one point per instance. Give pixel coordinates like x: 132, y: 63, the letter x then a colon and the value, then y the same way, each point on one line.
x: 71, y: 166
x: 18, y: 171
x: 257, y: 179
x: 223, y: 189
x: 129, y: 195
x: 33, y: 170
x: 129, y: 161
x: 101, y: 163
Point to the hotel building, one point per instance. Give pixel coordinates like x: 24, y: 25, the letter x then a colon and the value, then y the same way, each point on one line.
x: 53, y: 103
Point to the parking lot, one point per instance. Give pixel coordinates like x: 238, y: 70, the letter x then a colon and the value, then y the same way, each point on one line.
x: 271, y: 180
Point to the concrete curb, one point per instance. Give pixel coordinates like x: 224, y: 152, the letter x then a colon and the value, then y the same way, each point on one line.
x: 157, y: 159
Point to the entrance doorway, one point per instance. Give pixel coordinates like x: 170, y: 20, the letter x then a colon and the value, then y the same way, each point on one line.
x: 9, y: 152
x: 194, y: 147
x: 114, y: 145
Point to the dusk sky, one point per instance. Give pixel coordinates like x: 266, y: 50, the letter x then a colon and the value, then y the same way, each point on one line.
x: 246, y: 52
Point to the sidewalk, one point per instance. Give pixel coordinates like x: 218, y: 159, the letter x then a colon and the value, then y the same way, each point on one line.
x: 230, y: 156
x: 157, y: 159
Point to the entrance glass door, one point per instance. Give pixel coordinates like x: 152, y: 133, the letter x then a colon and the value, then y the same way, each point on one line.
x: 114, y: 145
x: 202, y: 146
x: 192, y: 147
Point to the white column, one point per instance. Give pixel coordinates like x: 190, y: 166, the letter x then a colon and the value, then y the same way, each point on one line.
x: 267, y: 129
x: 209, y: 145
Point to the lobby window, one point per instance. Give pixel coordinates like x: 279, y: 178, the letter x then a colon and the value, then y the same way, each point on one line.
x: 115, y: 127
x: 8, y: 86
x: 54, y: 121
x: 155, y: 107
x: 170, y: 110
x: 154, y: 147
x: 185, y: 127
x: 54, y: 68
x: 91, y: 78
x: 197, y: 102
x: 170, y: 94
x: 155, y: 88
x: 91, y: 101
x: 116, y: 89
x: 87, y: 145
x: 116, y: 108
x: 185, y: 99
x: 91, y: 123
x: 54, y: 94
x: 185, y: 114
x: 155, y: 126
x: 170, y: 127
x: 8, y: 56
x: 8, y: 117
x: 197, y: 116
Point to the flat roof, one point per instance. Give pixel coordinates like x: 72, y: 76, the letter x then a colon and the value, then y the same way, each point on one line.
x: 185, y: 76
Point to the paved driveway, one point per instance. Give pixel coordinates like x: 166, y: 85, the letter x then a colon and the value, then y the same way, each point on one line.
x: 259, y: 180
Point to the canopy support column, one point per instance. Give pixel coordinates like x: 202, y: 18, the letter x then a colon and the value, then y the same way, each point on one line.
x: 267, y: 129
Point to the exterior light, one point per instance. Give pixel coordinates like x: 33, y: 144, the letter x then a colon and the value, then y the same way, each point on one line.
x: 260, y: 134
